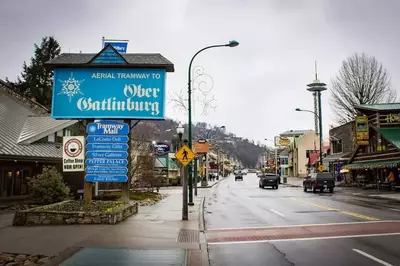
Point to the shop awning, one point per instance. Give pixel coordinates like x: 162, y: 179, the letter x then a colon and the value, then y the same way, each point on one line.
x: 336, y: 157
x: 392, y: 134
x: 372, y: 165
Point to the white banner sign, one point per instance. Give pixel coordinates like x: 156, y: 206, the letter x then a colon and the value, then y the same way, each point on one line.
x: 74, y: 154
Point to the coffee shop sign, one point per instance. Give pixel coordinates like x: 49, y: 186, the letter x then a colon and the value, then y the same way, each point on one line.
x: 392, y: 118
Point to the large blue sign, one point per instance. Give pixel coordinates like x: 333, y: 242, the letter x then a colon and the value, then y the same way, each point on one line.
x: 116, y: 93
x: 107, y: 155
x: 120, y: 46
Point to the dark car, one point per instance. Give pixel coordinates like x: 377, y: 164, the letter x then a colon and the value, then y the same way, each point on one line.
x: 239, y: 176
x: 269, y: 180
x: 319, y: 181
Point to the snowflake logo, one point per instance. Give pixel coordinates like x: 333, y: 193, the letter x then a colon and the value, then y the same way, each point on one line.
x: 92, y: 129
x: 71, y: 87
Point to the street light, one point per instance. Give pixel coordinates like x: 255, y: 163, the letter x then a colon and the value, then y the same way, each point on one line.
x: 231, y: 43
x: 320, y: 129
x: 185, y: 211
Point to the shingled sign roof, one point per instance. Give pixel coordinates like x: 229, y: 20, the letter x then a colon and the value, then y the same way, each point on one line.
x: 22, y: 123
x: 151, y: 60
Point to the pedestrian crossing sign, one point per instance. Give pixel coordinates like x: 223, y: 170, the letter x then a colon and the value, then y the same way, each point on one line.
x: 184, y: 155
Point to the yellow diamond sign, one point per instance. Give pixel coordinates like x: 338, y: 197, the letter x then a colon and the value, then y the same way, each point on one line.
x: 185, y: 155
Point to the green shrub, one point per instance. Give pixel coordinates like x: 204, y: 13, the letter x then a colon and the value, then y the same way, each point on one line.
x: 48, y: 187
x: 108, y: 196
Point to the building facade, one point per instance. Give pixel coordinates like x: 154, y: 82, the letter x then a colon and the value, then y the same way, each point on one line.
x: 341, y: 146
x: 30, y: 139
x: 377, y: 159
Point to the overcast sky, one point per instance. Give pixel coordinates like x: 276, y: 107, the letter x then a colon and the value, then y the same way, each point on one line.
x: 258, y: 84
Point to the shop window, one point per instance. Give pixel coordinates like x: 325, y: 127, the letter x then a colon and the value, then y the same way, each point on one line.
x: 337, y: 146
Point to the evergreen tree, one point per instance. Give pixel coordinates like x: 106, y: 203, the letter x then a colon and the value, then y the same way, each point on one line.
x: 36, y: 81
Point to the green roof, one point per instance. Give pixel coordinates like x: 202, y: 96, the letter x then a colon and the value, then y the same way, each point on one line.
x: 372, y: 165
x: 291, y: 133
x: 392, y: 134
x: 379, y: 106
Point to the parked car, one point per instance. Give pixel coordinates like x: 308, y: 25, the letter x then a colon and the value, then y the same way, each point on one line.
x: 259, y: 173
x: 239, y: 176
x: 269, y: 180
x: 320, y: 181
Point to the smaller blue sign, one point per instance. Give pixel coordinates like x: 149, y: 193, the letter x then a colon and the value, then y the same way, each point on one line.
x: 106, y: 178
x: 107, y: 139
x: 120, y: 46
x: 107, y: 127
x: 161, y: 148
x: 106, y: 170
x: 106, y: 162
x: 107, y: 154
x: 107, y: 146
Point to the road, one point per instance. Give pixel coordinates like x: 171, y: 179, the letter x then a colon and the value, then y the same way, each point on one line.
x: 246, y: 225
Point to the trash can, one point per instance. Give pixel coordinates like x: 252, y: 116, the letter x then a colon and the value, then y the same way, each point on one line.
x: 284, y: 179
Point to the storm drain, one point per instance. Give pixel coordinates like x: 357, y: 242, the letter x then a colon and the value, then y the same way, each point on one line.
x: 188, y: 236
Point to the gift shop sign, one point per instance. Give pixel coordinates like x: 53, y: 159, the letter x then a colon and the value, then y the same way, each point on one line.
x: 108, y: 93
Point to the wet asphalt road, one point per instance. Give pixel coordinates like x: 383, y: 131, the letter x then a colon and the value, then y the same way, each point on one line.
x: 234, y: 204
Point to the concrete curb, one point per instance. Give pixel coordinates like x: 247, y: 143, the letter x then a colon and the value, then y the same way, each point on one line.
x: 201, y: 215
x: 371, y: 197
x: 214, y: 183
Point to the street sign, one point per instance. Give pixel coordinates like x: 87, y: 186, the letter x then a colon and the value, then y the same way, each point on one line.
x: 106, y: 146
x: 73, y: 154
x: 106, y: 162
x: 107, y: 127
x: 185, y: 155
x: 107, y: 155
x: 106, y: 178
x: 321, y: 168
x: 106, y: 171
x: 107, y: 139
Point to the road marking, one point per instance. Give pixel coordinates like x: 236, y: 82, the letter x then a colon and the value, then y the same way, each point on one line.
x: 276, y: 212
x: 301, y: 239
x: 357, y: 215
x: 393, y: 209
x: 298, y: 225
x: 372, y: 257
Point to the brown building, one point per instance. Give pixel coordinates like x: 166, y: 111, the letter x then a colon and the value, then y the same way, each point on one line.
x: 379, y: 158
x: 341, y: 147
x: 29, y: 140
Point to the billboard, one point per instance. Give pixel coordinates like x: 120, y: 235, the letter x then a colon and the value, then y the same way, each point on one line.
x: 201, y: 147
x: 362, y: 130
x: 120, y: 46
x: 282, y: 141
x: 113, y: 93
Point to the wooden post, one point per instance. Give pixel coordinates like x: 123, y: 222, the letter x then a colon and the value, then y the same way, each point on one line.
x: 126, y: 185
x: 87, y: 186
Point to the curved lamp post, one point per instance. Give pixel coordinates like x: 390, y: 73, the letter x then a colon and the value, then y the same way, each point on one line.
x: 320, y: 129
x: 232, y: 43
x: 185, y: 211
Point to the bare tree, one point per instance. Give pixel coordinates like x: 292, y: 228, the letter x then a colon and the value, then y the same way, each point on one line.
x: 361, y: 80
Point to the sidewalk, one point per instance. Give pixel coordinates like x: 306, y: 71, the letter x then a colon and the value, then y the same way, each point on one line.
x: 157, y: 229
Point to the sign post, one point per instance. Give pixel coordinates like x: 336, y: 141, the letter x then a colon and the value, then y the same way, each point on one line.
x: 185, y: 156
x: 108, y: 85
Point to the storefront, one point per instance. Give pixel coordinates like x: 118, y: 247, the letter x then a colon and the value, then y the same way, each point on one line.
x: 376, y: 160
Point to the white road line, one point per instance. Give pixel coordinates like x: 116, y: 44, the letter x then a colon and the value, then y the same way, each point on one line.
x: 372, y: 257
x: 300, y: 239
x: 393, y: 209
x: 297, y: 225
x: 276, y: 212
